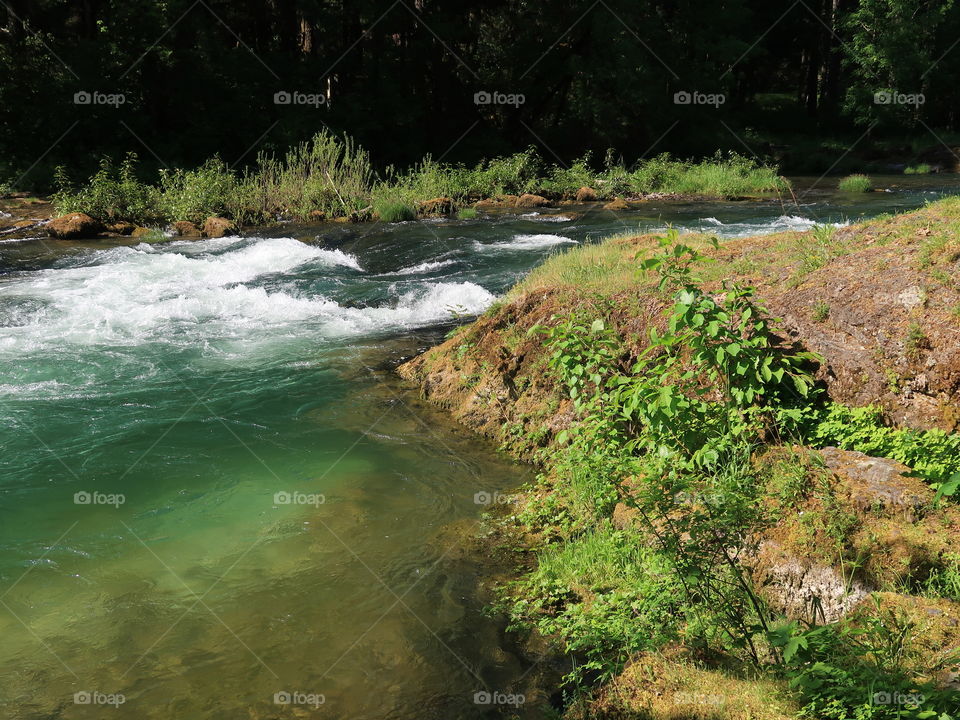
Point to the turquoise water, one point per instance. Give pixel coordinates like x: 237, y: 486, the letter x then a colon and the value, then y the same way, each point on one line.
x: 214, y: 495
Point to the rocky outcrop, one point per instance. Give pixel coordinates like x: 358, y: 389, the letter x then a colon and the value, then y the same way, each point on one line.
x: 886, y: 293
x: 802, y: 589
x: 215, y: 227
x: 74, y: 226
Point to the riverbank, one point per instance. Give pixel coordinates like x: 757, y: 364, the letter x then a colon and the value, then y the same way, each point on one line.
x: 700, y: 548
x: 330, y: 178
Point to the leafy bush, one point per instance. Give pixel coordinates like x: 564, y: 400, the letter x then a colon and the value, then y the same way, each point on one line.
x: 856, y: 184
x: 195, y: 195
x: 112, y: 195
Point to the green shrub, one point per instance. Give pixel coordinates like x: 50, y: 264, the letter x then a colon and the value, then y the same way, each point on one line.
x: 605, y: 595
x: 856, y: 184
x: 468, y: 213
x: 112, y: 195
x: 921, y: 169
x: 195, y: 195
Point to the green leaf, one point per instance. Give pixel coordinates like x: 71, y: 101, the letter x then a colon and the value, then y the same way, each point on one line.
x: 597, y: 326
x: 948, y: 488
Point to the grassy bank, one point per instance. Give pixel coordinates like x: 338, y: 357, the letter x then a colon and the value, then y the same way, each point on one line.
x: 330, y: 177
x: 709, y: 536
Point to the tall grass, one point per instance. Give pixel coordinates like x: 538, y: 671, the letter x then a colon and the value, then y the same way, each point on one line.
x: 856, y: 184
x: 331, y: 176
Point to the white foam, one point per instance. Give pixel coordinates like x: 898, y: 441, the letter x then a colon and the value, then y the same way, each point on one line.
x: 130, y: 296
x: 538, y: 217
x: 430, y: 304
x: 424, y: 267
x: 761, y: 227
x: 525, y: 242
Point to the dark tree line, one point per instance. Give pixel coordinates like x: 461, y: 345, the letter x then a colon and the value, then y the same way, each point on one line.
x: 199, y: 77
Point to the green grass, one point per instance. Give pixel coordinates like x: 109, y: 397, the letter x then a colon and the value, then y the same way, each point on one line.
x: 921, y: 169
x: 856, y: 184
x: 468, y: 214
x: 331, y: 175
x: 394, y: 211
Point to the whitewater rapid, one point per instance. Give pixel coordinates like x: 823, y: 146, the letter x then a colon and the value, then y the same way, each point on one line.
x: 195, y: 291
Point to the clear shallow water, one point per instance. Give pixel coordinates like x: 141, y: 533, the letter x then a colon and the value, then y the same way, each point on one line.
x: 219, y: 388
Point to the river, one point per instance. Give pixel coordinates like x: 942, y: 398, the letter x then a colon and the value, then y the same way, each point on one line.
x: 217, y: 502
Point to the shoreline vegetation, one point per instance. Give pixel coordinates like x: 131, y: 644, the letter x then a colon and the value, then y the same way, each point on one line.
x: 332, y: 178
x: 736, y: 516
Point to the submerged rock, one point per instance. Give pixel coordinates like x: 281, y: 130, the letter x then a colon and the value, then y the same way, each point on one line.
x: 74, y: 226
x: 617, y: 204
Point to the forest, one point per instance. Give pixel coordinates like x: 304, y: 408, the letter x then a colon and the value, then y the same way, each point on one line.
x: 180, y: 81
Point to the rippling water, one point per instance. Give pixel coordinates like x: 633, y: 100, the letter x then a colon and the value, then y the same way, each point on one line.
x: 213, y: 496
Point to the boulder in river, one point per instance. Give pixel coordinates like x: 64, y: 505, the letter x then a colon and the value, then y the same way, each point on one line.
x: 215, y: 227
x: 531, y: 201
x: 121, y: 228
x: 586, y: 194
x: 74, y: 226
x: 436, y: 206
x: 185, y: 228
x: 617, y: 204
